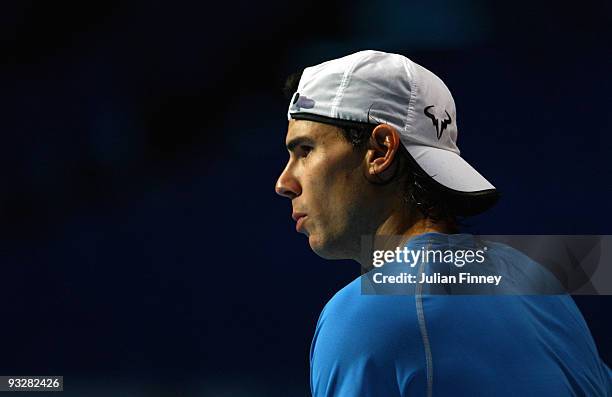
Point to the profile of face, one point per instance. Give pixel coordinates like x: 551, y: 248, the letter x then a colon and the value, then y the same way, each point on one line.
x: 326, y: 179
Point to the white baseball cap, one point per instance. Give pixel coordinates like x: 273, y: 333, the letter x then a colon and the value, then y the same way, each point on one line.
x: 373, y: 87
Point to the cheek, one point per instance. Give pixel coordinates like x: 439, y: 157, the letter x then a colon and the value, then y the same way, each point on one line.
x: 336, y: 188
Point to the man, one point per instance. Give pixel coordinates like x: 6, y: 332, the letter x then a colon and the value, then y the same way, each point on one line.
x: 372, y: 151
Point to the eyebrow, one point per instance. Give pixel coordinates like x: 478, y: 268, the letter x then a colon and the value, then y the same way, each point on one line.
x: 291, y: 145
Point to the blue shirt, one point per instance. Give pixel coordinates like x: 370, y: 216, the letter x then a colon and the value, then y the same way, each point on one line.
x: 470, y: 345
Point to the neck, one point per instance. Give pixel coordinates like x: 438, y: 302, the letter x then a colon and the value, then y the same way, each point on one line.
x: 401, y: 227
x: 408, y: 226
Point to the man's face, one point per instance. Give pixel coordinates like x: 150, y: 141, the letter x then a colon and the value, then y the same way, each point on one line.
x: 324, y: 180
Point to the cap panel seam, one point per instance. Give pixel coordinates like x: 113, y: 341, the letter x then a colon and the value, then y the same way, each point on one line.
x: 343, y: 84
x: 410, y: 72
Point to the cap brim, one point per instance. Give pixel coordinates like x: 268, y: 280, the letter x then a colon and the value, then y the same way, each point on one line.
x: 459, y: 184
x: 449, y: 170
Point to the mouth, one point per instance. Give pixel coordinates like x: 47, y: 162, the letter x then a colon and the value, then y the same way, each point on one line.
x: 299, y: 220
x: 299, y: 223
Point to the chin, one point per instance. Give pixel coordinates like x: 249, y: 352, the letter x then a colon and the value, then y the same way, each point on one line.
x: 327, y: 249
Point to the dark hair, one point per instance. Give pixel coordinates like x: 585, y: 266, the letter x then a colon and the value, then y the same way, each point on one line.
x: 420, y: 191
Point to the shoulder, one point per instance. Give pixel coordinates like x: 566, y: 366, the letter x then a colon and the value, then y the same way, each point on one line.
x: 354, y: 323
x: 350, y: 305
x: 364, y: 343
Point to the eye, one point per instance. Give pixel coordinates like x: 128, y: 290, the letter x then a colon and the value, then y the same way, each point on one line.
x: 305, y: 150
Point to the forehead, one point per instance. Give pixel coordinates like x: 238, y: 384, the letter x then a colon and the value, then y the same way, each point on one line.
x: 311, y: 130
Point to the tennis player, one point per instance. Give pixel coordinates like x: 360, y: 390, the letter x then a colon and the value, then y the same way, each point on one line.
x: 372, y: 141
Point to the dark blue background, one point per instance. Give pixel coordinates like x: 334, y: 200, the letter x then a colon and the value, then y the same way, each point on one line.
x: 143, y: 249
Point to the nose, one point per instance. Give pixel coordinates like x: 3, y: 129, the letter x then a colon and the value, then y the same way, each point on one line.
x: 287, y: 185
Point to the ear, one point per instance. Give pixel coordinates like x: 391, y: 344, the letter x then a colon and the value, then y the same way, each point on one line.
x: 382, y: 151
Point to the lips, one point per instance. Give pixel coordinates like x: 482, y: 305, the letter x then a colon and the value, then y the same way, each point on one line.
x: 299, y: 218
x: 297, y: 215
